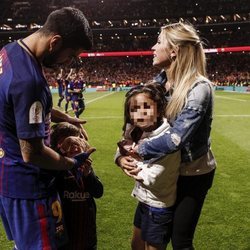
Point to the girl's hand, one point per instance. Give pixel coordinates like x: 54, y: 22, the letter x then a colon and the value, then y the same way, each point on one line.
x: 126, y: 162
x: 129, y: 166
x: 133, y: 174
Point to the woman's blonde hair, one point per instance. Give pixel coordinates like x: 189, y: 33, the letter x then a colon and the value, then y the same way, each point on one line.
x: 188, y: 64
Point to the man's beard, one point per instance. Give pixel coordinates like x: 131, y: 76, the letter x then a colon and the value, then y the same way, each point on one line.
x: 50, y: 61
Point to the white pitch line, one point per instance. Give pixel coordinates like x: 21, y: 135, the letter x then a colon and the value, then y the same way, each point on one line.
x: 120, y: 117
x: 229, y: 98
x: 93, y: 100
x: 103, y: 117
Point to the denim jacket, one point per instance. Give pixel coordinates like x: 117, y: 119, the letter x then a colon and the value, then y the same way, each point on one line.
x: 190, y: 131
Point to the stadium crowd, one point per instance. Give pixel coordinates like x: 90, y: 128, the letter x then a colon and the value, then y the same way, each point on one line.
x: 145, y: 42
x: 223, y: 69
x: 134, y: 22
x: 102, y: 11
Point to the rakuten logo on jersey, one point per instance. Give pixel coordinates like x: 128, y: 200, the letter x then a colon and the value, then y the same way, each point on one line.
x: 76, y: 196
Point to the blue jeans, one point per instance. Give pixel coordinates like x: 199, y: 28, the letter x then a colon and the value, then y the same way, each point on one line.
x: 191, y: 193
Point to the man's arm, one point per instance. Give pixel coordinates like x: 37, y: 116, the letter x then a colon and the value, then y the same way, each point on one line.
x: 69, y: 74
x: 183, y: 127
x: 59, y: 116
x: 35, y: 152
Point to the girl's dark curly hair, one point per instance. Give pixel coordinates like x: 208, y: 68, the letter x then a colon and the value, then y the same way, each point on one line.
x: 155, y: 91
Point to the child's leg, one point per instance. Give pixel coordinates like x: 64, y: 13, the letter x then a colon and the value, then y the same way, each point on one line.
x: 149, y: 246
x: 137, y: 242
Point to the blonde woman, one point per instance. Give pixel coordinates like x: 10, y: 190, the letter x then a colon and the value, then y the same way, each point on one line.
x: 180, y: 53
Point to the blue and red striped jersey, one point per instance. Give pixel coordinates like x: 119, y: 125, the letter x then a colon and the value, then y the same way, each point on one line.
x: 25, y: 107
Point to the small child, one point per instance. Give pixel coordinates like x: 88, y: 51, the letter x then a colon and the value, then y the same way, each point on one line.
x: 156, y: 179
x: 77, y: 192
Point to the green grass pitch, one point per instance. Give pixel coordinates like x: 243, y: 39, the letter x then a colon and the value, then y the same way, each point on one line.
x: 225, y: 219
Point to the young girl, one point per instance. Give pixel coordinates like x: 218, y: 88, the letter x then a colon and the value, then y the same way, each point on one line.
x: 77, y: 192
x: 155, y: 186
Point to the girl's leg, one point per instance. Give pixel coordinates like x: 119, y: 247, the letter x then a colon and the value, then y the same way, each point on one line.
x: 137, y: 243
x: 154, y: 247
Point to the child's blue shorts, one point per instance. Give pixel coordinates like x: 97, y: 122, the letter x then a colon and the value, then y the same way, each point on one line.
x: 33, y: 224
x: 155, y: 223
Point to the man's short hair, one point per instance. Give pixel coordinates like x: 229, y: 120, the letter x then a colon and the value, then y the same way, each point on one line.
x: 72, y: 26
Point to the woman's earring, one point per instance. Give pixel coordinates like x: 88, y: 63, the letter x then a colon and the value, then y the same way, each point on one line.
x: 172, y: 56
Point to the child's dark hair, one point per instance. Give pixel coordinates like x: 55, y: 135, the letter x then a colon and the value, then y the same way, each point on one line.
x: 155, y: 91
x: 60, y: 131
x: 71, y: 25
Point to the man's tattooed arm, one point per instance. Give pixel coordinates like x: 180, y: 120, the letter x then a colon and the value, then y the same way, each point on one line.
x: 32, y: 146
x: 35, y: 152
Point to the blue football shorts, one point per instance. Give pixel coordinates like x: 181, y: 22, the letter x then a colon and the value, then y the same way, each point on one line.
x: 34, y: 224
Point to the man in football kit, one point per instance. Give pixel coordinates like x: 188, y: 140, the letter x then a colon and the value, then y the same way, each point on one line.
x: 61, y: 87
x: 28, y: 200
x: 77, y: 99
x: 69, y: 86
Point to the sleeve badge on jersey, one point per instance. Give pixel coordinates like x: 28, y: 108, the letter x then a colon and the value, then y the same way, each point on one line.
x: 36, y: 113
x: 1, y: 153
x: 1, y: 64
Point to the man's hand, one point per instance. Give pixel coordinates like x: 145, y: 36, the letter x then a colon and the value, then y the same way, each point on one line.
x: 81, y: 166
